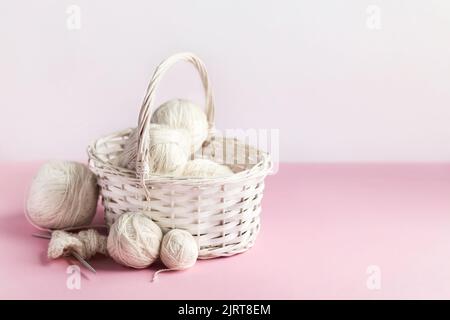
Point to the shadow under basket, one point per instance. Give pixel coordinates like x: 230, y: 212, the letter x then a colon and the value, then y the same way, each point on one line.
x: 222, y: 213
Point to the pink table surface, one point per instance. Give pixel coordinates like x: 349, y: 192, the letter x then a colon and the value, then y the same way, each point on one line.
x: 322, y: 226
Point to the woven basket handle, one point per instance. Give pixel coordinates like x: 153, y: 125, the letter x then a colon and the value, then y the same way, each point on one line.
x: 149, y: 101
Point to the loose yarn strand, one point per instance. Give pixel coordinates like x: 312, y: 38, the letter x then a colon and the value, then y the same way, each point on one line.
x: 155, y: 275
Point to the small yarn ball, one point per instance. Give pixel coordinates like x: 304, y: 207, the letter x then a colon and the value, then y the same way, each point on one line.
x: 179, y: 249
x: 169, y: 150
x: 63, y: 194
x: 134, y: 240
x: 204, y: 168
x: 183, y: 114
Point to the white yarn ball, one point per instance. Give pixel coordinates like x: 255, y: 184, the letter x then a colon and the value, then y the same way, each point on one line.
x: 134, y: 240
x: 169, y: 150
x: 179, y: 249
x: 203, y: 168
x: 180, y: 122
x: 63, y: 194
x: 183, y: 114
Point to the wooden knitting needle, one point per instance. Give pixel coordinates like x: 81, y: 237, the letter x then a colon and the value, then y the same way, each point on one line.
x: 73, y: 253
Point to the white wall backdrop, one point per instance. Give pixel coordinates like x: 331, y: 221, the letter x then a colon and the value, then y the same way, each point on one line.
x: 342, y: 80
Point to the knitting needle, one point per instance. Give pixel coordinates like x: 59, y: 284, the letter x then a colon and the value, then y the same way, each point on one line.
x: 73, y: 253
x: 40, y: 235
x: 83, y: 262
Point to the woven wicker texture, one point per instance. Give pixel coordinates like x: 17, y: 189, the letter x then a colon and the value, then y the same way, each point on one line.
x: 223, y: 214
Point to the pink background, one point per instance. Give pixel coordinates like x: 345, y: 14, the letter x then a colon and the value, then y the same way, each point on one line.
x: 337, y: 90
x: 322, y: 227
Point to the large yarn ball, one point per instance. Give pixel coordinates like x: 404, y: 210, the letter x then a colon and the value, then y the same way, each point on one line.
x: 134, y: 240
x: 179, y: 249
x: 183, y: 114
x: 63, y: 194
x: 204, y: 168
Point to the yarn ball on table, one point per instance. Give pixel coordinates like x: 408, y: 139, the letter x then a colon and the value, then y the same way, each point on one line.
x: 204, y: 168
x: 63, y: 194
x: 169, y: 150
x: 134, y: 240
x: 183, y: 114
x: 179, y: 250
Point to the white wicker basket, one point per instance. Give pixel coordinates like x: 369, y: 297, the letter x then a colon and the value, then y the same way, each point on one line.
x: 223, y: 214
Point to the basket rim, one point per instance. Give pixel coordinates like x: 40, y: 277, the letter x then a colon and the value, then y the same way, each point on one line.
x: 261, y: 168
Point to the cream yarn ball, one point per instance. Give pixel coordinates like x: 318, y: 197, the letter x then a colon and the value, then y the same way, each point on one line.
x: 179, y: 249
x: 178, y: 129
x: 134, y: 240
x: 169, y: 150
x: 183, y: 114
x: 63, y: 194
x: 204, y: 168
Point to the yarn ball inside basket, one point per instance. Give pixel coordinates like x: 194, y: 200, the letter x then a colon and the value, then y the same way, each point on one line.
x: 183, y: 114
x: 204, y: 168
x: 63, y: 194
x: 134, y: 240
x: 169, y: 150
x: 179, y: 250
x: 174, y: 117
